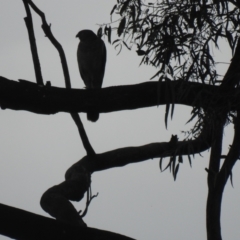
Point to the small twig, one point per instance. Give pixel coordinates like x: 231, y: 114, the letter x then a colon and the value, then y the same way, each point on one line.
x: 90, y: 197
x: 36, y: 62
x: 47, y: 30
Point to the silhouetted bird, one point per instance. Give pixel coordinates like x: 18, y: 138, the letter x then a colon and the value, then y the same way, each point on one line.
x: 91, y: 56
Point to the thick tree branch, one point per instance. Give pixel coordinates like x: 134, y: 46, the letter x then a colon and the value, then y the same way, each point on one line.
x: 19, y: 224
x: 28, y: 96
x: 56, y: 200
x: 214, y: 199
x: 216, y: 151
x: 123, y: 156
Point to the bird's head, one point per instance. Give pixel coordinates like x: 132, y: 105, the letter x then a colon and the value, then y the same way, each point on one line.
x: 87, y: 36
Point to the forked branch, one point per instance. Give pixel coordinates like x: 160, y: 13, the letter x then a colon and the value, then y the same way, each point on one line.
x: 47, y: 30
x: 33, y: 45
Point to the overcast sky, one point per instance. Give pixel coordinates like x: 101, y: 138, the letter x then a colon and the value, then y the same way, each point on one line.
x: 137, y: 200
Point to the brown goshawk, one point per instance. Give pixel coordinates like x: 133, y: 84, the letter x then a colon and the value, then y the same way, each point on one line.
x: 91, y: 56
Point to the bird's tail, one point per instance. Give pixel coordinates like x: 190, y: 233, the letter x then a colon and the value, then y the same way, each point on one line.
x: 92, y: 116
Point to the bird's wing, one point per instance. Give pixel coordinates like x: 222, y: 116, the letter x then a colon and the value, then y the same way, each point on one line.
x: 99, y: 63
x: 83, y: 64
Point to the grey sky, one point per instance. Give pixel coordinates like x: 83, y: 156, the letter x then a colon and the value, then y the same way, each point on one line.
x: 36, y: 150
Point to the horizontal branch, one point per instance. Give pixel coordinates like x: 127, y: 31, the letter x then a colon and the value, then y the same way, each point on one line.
x: 25, y: 95
x: 19, y: 224
x: 123, y: 156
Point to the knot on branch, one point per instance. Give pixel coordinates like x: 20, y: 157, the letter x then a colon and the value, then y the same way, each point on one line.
x: 173, y: 141
x: 56, y: 200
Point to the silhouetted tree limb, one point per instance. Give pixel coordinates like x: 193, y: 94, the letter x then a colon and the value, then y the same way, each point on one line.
x: 25, y: 95
x: 19, y: 224
x: 47, y: 30
x: 232, y: 156
x: 214, y: 197
x: 56, y: 200
x: 123, y: 156
x: 232, y: 76
x: 86, y: 144
x: 33, y: 45
x: 217, y: 174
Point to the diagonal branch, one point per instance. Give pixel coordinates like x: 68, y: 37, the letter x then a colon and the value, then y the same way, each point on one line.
x: 33, y: 46
x: 47, y: 30
x: 232, y: 76
x: 232, y: 156
x: 86, y: 144
x: 19, y: 224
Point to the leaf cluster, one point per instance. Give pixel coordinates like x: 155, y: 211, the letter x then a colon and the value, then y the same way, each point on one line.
x: 176, y: 36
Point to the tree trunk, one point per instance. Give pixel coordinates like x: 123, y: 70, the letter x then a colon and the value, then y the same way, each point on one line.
x: 213, y: 215
x: 214, y: 199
